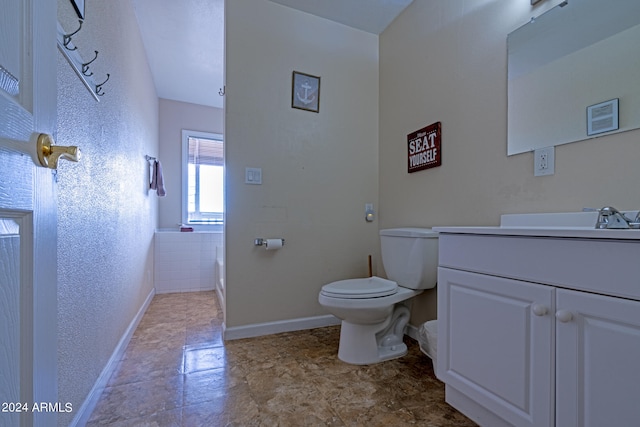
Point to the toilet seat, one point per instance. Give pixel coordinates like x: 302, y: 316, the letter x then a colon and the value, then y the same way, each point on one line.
x: 370, y: 287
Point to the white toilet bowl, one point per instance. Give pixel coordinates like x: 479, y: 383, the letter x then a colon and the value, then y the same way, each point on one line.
x: 374, y: 311
x: 372, y: 328
x: 365, y: 307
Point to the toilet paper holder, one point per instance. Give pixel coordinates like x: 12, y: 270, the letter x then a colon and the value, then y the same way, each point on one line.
x: 263, y: 242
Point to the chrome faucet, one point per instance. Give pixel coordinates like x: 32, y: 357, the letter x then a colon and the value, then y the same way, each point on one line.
x: 611, y: 218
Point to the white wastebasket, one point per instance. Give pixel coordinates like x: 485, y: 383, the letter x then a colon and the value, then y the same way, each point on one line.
x: 428, y: 340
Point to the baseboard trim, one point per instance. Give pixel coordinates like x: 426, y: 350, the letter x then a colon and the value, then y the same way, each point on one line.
x: 184, y: 290
x: 269, y: 328
x: 411, y: 331
x: 299, y: 324
x: 89, y: 404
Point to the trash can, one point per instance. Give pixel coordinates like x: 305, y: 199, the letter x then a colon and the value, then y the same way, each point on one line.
x: 428, y: 340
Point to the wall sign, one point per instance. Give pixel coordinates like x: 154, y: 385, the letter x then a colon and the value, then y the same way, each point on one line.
x: 305, y: 92
x: 603, y: 117
x: 425, y: 148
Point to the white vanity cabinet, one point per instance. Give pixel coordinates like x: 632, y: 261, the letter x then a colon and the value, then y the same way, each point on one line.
x: 597, y: 360
x: 540, y: 330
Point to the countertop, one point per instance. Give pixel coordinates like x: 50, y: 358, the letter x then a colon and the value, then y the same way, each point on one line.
x: 580, y: 225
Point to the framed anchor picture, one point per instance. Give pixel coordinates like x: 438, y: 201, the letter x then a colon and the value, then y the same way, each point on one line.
x: 305, y: 92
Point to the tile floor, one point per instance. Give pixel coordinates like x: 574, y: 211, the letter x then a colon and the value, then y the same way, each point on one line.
x: 177, y: 371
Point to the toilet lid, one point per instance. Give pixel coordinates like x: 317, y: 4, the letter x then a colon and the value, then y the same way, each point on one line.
x: 371, y: 287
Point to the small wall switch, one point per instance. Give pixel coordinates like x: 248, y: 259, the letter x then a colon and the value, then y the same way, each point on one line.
x: 544, y: 161
x: 253, y: 176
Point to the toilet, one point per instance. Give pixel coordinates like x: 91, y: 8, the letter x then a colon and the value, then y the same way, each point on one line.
x: 374, y: 311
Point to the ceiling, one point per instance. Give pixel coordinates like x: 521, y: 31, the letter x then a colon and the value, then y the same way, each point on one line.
x: 184, y: 40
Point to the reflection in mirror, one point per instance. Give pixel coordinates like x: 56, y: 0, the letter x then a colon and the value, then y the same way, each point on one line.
x: 576, y: 55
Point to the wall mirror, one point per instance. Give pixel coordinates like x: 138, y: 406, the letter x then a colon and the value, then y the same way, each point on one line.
x: 578, y: 54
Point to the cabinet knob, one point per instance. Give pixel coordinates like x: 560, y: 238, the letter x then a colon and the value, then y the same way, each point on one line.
x: 539, y: 309
x: 564, y: 316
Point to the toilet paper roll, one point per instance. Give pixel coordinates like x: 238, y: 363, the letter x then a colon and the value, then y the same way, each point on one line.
x: 273, y: 244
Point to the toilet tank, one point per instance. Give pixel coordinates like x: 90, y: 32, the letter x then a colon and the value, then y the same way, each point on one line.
x: 410, y: 256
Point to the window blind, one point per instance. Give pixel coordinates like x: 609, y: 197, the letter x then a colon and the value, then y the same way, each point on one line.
x: 206, y: 152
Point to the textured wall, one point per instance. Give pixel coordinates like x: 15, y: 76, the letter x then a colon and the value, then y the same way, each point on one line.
x: 318, y: 170
x: 447, y: 61
x: 106, y: 214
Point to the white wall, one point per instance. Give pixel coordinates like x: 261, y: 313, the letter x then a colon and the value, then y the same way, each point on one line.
x: 107, y: 216
x: 175, y: 116
x: 318, y: 170
x: 446, y: 61
x: 185, y: 262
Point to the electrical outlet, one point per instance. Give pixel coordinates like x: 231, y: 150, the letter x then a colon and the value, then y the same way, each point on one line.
x: 543, y: 161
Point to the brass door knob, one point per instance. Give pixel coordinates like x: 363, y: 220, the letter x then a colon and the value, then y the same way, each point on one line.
x: 49, y: 154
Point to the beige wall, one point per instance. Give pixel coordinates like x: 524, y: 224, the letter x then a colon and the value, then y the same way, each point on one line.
x: 446, y: 61
x: 319, y: 170
x: 107, y: 216
x: 175, y: 116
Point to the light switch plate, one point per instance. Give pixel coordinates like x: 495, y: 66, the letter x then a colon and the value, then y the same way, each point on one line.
x: 253, y: 176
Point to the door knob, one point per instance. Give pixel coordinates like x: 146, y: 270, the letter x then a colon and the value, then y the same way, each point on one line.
x: 49, y: 154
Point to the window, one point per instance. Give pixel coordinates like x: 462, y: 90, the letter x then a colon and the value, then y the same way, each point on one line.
x: 203, y: 178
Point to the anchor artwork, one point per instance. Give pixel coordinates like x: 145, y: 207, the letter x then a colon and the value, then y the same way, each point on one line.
x: 305, y: 92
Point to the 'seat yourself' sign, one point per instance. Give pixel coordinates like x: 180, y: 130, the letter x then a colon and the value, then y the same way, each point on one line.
x: 424, y: 148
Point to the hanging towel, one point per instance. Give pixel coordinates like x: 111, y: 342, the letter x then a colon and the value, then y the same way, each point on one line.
x: 157, y: 180
x: 154, y: 183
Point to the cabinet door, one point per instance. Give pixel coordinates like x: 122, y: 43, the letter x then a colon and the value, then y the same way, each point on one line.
x: 495, y: 344
x: 597, y: 362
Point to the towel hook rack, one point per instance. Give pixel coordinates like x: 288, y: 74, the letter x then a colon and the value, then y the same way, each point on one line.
x: 99, y: 87
x: 85, y: 66
x: 66, y: 38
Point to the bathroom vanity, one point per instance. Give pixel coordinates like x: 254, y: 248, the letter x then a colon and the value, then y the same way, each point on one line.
x: 539, y: 322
